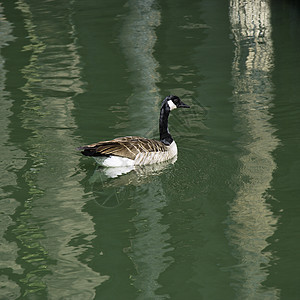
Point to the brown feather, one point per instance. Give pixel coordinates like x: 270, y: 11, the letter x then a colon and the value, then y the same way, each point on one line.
x: 128, y: 146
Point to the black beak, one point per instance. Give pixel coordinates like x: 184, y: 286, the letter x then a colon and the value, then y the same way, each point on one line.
x: 182, y: 105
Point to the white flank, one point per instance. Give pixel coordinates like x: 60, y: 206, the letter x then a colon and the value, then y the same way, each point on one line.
x: 171, y: 105
x: 114, y: 161
x: 145, y: 158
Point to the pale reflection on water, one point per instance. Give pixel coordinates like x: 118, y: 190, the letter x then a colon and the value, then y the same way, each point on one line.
x: 148, y: 246
x: 137, y: 39
x: 250, y: 219
x: 52, y: 219
x: 9, y: 163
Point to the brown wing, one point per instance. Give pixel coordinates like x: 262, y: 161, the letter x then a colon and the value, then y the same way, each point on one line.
x: 128, y: 146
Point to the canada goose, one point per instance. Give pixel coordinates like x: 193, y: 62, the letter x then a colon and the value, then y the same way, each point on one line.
x: 135, y: 150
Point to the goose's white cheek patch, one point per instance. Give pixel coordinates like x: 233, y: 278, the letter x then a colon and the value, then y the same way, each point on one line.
x: 171, y: 105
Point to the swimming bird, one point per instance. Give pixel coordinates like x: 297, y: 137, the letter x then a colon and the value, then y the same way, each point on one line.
x: 135, y: 150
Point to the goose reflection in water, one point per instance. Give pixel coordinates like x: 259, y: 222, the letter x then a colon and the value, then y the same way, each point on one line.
x: 113, y: 186
x: 132, y: 174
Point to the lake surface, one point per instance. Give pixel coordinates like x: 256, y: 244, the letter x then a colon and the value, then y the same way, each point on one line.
x: 220, y: 222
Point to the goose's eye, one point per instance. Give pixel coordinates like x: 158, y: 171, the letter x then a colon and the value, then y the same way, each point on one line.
x: 176, y: 101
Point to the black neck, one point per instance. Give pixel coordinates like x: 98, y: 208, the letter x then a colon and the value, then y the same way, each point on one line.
x: 165, y: 135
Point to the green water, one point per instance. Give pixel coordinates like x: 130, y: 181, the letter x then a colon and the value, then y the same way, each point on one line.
x: 220, y: 222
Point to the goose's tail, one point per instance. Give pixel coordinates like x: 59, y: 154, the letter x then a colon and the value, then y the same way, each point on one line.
x: 89, y: 150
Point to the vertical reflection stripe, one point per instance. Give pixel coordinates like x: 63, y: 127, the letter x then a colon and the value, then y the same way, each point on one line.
x: 11, y: 160
x: 250, y: 220
x: 149, y: 244
x: 53, y: 221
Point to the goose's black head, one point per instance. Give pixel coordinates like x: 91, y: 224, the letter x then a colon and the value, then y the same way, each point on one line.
x: 174, y: 102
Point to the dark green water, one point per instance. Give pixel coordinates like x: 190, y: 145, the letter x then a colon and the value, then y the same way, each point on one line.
x: 222, y: 222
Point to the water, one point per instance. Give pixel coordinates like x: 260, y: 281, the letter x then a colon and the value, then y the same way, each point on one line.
x: 221, y: 221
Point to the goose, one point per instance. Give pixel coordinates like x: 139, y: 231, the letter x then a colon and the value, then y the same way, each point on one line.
x: 135, y: 150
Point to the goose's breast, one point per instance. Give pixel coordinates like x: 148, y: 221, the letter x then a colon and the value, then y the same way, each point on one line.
x: 146, y: 158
